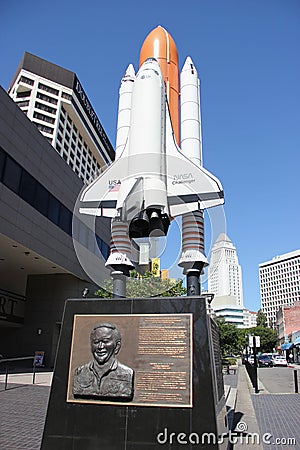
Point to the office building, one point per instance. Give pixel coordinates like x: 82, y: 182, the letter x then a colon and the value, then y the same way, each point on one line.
x: 55, y: 101
x: 288, y: 322
x: 41, y: 235
x: 224, y: 271
x: 279, y: 283
x: 227, y: 307
x: 250, y: 318
x: 225, y: 282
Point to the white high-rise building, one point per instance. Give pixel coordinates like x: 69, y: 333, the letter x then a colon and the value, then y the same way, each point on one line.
x: 54, y: 100
x: 224, y: 272
x: 250, y: 318
x: 225, y: 282
x: 279, y: 283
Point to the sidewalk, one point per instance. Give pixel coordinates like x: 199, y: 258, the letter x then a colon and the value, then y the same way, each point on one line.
x: 273, y: 417
x: 245, y: 421
x: 23, y: 408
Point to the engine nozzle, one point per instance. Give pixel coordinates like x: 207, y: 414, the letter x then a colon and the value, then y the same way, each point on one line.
x: 149, y: 223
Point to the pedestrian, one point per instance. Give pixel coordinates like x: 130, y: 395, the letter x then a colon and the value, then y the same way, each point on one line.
x: 291, y: 358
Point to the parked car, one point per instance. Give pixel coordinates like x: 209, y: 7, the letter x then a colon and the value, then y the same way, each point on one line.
x: 244, y: 358
x: 280, y: 361
x: 265, y: 360
x: 251, y: 359
x: 270, y: 354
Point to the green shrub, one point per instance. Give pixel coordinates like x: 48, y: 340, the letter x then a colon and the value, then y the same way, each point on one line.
x: 228, y: 361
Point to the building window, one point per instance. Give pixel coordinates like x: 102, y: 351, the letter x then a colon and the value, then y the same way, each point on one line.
x: 65, y: 220
x: 23, y: 103
x: 12, y: 174
x: 27, y: 188
x: 47, y: 119
x: 26, y: 80
x: 103, y: 247
x: 41, y: 199
x: 23, y: 94
x: 53, y: 209
x: 44, y: 128
x: 2, y: 162
x: 46, y: 98
x: 45, y: 108
x: 48, y: 89
x: 66, y: 96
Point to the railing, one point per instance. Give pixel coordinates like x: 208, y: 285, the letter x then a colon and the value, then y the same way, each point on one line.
x: 252, y: 372
x: 296, y: 382
x: 23, y: 358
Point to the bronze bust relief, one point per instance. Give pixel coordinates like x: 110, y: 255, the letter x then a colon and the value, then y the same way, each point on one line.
x: 104, y: 377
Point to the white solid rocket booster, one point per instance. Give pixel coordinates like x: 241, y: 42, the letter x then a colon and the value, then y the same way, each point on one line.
x: 124, y: 109
x: 191, y: 144
x: 120, y: 245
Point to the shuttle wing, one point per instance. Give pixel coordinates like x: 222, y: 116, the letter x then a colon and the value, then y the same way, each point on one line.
x: 100, y: 197
x: 189, y: 187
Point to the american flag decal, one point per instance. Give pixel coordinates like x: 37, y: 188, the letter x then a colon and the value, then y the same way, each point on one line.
x: 114, y: 185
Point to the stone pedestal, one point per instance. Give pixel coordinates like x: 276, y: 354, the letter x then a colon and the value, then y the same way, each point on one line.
x: 178, y: 401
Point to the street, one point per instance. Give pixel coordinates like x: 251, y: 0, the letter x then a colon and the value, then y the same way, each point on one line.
x: 278, y: 380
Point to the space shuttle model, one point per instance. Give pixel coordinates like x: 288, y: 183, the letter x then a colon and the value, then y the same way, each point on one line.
x: 152, y: 180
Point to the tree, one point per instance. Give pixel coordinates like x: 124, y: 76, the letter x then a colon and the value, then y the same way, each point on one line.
x: 146, y: 285
x: 229, y: 336
x: 268, y: 337
x: 261, y: 320
x: 243, y: 338
x: 235, y: 340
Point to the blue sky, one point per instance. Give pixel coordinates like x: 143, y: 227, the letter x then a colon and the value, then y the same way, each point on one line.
x: 247, y: 55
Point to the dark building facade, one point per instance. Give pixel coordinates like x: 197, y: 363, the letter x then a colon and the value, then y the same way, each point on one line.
x: 39, y: 268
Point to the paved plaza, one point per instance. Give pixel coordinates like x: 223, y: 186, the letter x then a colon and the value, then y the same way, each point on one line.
x: 23, y: 409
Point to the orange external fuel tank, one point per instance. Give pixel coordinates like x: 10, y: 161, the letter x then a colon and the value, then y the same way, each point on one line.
x: 160, y: 45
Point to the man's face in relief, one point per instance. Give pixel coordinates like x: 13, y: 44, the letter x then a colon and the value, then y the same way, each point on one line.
x: 103, y: 344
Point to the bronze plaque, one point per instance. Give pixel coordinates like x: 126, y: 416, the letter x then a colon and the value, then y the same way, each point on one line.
x: 136, y: 360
